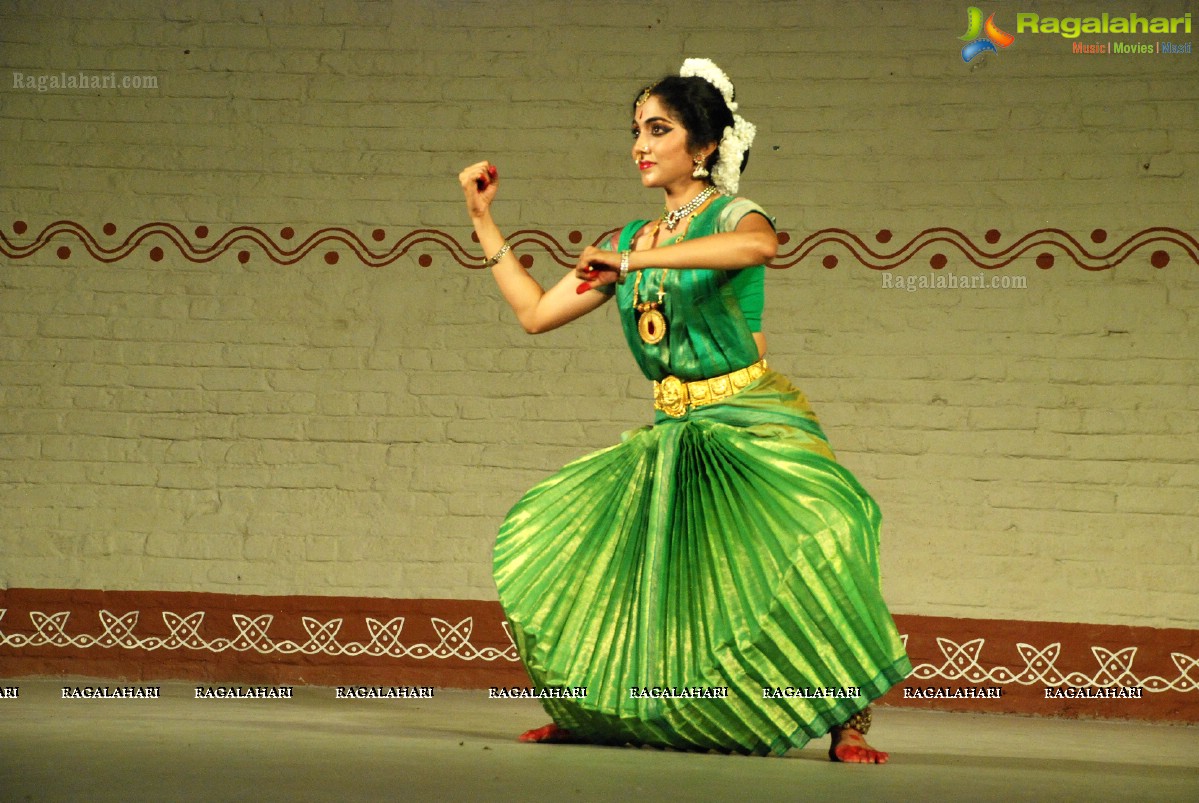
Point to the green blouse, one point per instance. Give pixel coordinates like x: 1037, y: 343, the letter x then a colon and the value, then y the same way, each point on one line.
x: 711, y: 315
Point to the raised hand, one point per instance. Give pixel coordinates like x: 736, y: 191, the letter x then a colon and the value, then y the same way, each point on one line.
x: 479, y: 183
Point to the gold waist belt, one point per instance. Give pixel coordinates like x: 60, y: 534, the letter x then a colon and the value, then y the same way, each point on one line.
x: 673, y: 396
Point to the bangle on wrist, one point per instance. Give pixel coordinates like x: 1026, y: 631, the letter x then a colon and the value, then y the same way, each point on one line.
x: 623, y: 276
x: 495, y: 260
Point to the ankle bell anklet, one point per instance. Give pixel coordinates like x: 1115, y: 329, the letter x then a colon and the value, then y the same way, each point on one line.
x: 860, y: 721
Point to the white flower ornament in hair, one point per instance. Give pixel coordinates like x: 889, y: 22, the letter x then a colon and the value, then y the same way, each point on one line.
x: 707, y: 70
x: 737, y: 138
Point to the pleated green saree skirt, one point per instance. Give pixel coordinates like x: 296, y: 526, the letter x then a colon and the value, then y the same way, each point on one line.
x: 712, y: 582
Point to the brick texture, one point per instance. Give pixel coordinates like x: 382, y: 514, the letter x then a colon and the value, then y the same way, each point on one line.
x: 318, y: 429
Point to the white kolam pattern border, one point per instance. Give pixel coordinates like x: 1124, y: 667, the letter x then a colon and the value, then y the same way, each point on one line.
x: 453, y: 640
x: 1040, y: 668
x: 962, y: 662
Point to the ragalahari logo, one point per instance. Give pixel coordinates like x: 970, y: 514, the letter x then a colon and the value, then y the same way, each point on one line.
x: 980, y: 37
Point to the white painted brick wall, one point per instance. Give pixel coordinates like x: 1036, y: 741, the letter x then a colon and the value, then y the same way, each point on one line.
x: 318, y: 429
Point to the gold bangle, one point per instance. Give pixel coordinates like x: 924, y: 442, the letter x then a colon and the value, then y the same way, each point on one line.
x: 495, y: 260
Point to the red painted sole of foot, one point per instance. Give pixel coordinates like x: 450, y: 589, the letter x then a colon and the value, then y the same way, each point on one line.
x: 546, y: 734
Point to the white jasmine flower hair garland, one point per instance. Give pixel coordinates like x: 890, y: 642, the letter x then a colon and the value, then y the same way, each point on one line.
x: 737, y: 138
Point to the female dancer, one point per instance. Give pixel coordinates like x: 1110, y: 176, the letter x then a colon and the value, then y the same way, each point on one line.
x: 713, y: 579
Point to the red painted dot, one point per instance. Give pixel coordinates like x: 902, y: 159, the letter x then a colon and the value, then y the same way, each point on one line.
x: 526, y: 260
x: 784, y: 238
x: 992, y: 236
x: 1159, y: 259
x: 64, y: 252
x: 938, y: 261
x: 201, y: 231
x: 19, y: 227
x: 883, y: 235
x: 331, y: 257
x: 156, y: 254
x: 378, y: 235
x: 1098, y: 236
x: 829, y: 262
x: 287, y: 232
x: 110, y: 229
x: 243, y: 257
x: 575, y: 236
x: 1045, y: 261
x: 425, y: 260
x: 474, y: 236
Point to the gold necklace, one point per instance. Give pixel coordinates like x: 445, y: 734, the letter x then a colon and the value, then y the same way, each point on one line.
x: 651, y: 323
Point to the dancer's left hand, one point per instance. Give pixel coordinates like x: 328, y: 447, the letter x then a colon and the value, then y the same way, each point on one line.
x: 597, y: 267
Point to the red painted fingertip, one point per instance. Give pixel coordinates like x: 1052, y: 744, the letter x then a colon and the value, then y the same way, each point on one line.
x: 483, y: 181
x: 582, y: 288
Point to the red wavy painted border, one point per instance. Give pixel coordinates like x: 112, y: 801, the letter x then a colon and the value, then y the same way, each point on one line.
x: 1042, y: 242
x: 331, y: 242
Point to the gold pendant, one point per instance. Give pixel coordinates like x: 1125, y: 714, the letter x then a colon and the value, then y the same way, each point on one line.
x: 651, y: 326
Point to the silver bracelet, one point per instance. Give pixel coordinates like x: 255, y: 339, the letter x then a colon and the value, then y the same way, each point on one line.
x: 623, y: 276
x: 495, y: 260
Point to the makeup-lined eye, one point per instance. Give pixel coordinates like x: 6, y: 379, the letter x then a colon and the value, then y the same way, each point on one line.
x: 655, y: 129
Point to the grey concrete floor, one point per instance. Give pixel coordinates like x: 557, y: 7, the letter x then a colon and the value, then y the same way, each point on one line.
x: 460, y: 746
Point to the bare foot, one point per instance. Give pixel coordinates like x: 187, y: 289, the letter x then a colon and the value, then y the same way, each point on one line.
x: 547, y: 734
x: 850, y: 746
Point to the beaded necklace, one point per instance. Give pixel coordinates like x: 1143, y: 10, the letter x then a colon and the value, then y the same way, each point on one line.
x: 672, y: 219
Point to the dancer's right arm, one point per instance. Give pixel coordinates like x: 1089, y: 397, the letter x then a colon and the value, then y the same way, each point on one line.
x: 538, y: 310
